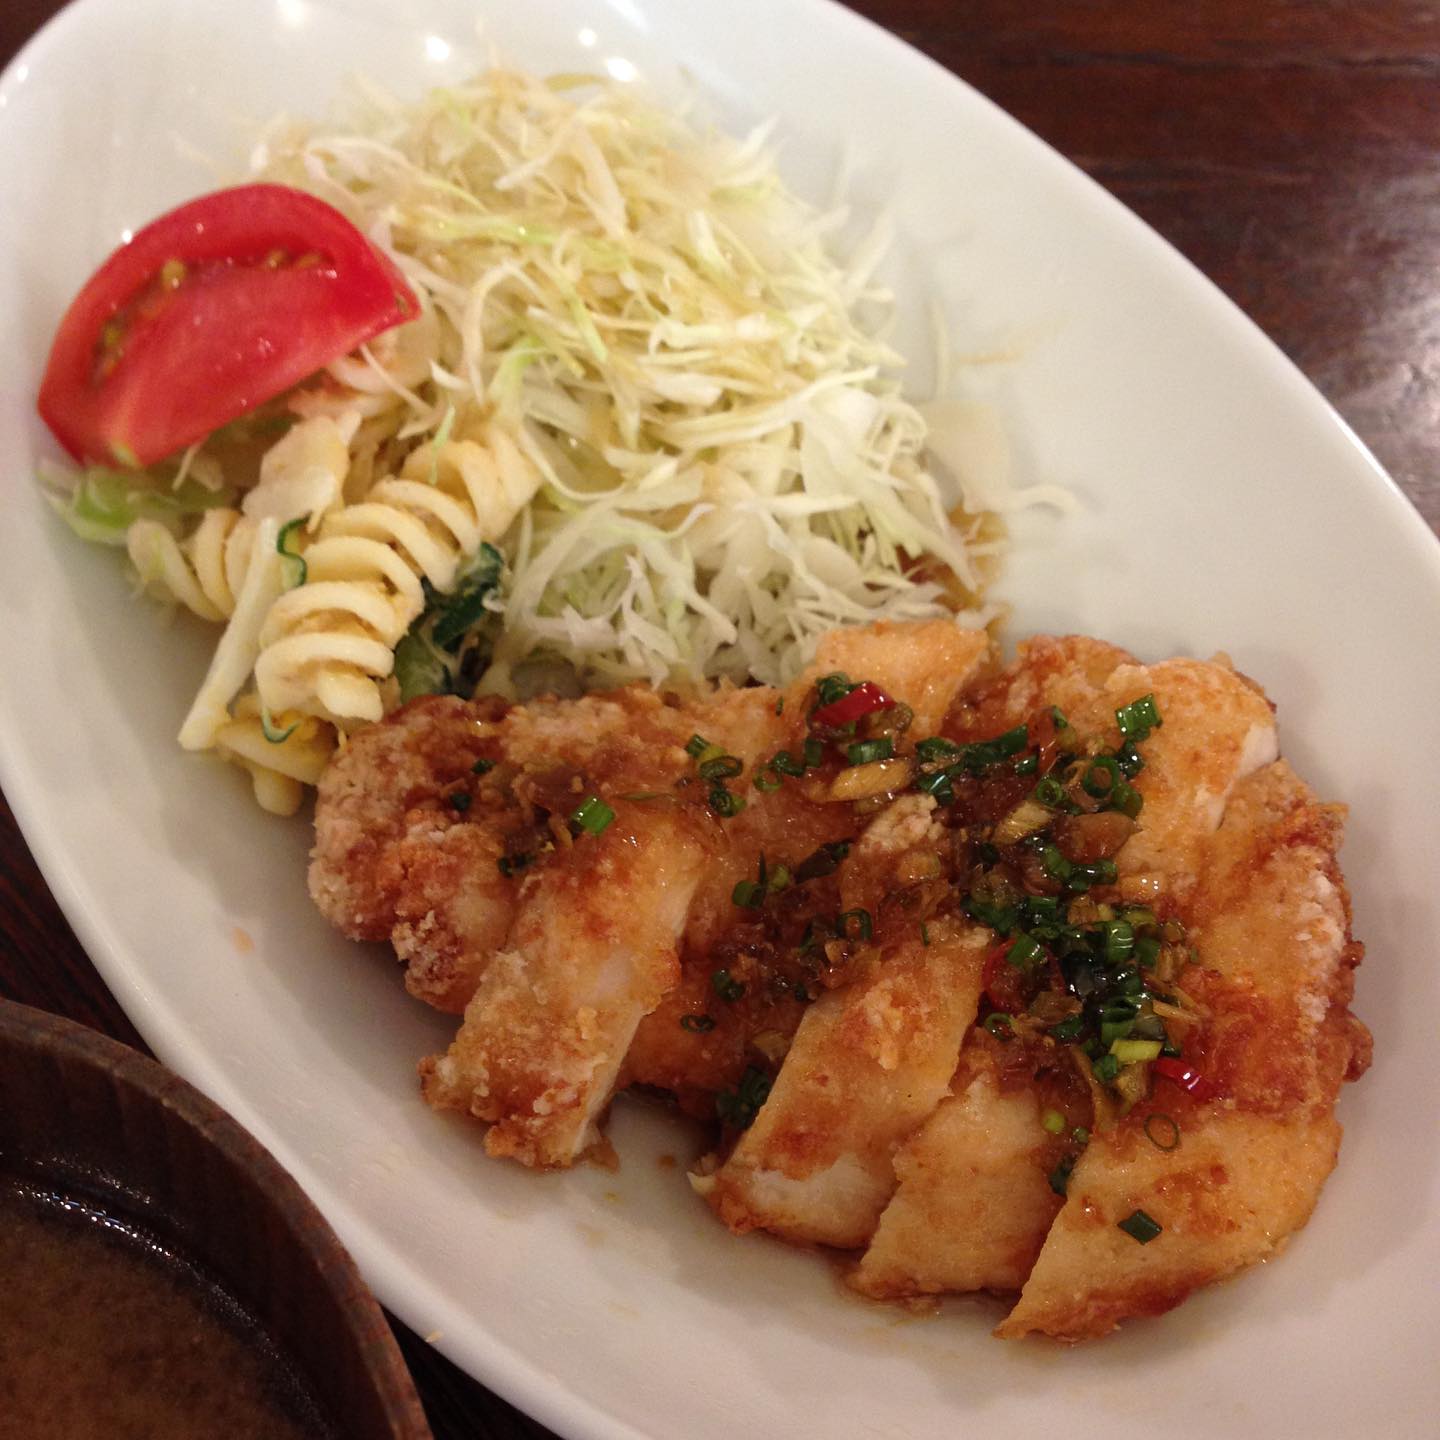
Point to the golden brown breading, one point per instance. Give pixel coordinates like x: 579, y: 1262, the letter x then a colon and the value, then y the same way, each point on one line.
x: 973, y: 1204
x: 592, y: 950
x: 405, y: 859
x: 1271, y: 925
x: 869, y: 1062
x: 1216, y: 729
x: 880, y: 1116
x: 394, y: 861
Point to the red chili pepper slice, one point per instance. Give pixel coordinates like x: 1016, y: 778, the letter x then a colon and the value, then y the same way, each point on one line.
x: 862, y: 700
x: 1187, y: 1077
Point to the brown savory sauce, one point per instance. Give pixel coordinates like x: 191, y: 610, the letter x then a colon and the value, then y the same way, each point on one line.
x: 104, y: 1333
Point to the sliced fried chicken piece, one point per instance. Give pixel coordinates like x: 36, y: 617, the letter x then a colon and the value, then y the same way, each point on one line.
x: 973, y: 1204
x: 430, y: 824
x: 1238, y: 1185
x: 591, y: 952
x: 1216, y: 728
x: 394, y: 860
x: 1270, y: 919
x: 868, y: 1064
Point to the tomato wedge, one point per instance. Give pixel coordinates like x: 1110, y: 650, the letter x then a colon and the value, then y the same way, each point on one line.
x: 206, y: 313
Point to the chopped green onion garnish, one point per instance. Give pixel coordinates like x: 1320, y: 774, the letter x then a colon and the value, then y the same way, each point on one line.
x: 482, y: 767
x: 509, y: 864
x: 980, y: 756
x: 1137, y: 719
x: 460, y: 801
x: 1057, y: 718
x: 1162, y: 1131
x: 1069, y: 1030
x: 1106, y: 1068
x: 1053, y: 1121
x: 696, y: 746
x: 830, y: 688
x: 1119, y: 939
x: 727, y: 987
x: 1056, y: 866
x: 863, y: 928
x: 1000, y: 918
x: 1081, y: 877
x: 1080, y: 1135
x: 936, y: 783
x: 814, y: 753
x: 748, y: 894
x: 1139, y: 1226
x: 779, y: 878
x: 1012, y: 742
x: 1024, y: 953
x: 1100, y: 776
x: 780, y: 706
x: 594, y: 816
x: 1050, y: 793
x: 1000, y: 1024
x: 1117, y: 1020
x: 724, y: 803
x: 738, y: 1107
x: 698, y: 1024
x: 765, y: 781
x: 784, y: 763
x: 924, y: 934
x: 721, y: 767
x: 1041, y: 908
x: 1027, y: 765
x: 1130, y: 760
x: 1126, y: 799
x: 863, y: 752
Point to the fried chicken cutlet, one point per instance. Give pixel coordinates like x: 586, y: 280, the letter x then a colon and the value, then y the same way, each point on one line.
x: 1029, y: 978
x: 450, y: 825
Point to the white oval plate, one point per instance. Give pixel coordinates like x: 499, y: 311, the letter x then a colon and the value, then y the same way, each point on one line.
x: 1224, y: 506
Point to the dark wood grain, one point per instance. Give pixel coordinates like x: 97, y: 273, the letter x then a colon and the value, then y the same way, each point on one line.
x: 1291, y: 150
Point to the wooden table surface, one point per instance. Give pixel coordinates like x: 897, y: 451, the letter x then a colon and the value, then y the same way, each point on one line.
x: 1291, y: 150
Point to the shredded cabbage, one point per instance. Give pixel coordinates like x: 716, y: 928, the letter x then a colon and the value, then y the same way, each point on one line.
x: 729, y: 467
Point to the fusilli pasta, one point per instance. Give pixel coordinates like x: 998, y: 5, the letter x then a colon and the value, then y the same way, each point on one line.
x: 327, y: 643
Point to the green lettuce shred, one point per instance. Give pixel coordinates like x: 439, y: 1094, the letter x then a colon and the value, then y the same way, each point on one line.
x: 101, y: 504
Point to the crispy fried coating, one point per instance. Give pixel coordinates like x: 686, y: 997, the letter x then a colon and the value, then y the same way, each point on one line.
x: 592, y: 950
x: 888, y: 1122
x: 1271, y: 923
x: 394, y: 861
x: 869, y: 1062
x: 574, y: 956
x: 974, y: 1203
x: 1216, y: 729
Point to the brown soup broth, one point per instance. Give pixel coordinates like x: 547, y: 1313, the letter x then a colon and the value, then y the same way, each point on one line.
x: 106, y: 1332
